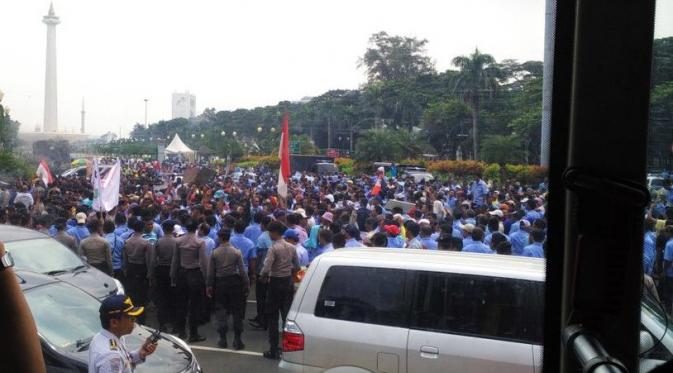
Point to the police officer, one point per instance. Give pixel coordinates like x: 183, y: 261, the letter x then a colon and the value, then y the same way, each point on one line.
x: 188, y: 270
x: 227, y: 280
x: 136, y: 264
x: 108, y: 352
x: 161, y: 268
x: 280, y: 264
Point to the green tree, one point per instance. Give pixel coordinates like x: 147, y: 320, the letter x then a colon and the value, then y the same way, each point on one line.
x: 395, y: 57
x: 478, y: 76
x: 444, y: 122
x: 389, y: 145
x: 501, y: 149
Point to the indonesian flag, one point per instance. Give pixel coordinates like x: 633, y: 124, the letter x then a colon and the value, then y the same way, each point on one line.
x: 284, y: 156
x: 377, y: 187
x: 44, y: 174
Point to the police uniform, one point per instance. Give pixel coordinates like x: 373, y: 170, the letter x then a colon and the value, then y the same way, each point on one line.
x: 107, y: 353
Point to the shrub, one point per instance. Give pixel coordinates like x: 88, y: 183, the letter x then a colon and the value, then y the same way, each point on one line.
x: 492, y: 172
x: 457, y: 168
x: 14, y: 166
x: 270, y: 161
x: 345, y: 165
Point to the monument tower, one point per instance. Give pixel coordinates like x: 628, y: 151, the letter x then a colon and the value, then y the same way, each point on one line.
x: 50, y: 94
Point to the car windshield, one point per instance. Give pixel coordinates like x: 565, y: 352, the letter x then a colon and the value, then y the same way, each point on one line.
x: 657, y: 182
x: 43, y: 255
x: 64, y: 314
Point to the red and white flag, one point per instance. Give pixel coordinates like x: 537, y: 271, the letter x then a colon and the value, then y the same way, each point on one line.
x: 284, y: 156
x: 44, y: 173
x: 377, y: 187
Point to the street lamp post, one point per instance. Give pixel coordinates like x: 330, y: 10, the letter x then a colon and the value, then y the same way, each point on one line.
x: 145, y: 113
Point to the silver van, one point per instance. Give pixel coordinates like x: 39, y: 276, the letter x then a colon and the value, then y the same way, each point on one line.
x: 387, y: 310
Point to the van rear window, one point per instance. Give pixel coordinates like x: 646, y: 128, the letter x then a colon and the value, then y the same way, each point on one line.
x: 367, y: 295
x: 480, y: 306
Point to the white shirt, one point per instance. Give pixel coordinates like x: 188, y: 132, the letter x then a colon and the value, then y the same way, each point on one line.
x: 108, y: 354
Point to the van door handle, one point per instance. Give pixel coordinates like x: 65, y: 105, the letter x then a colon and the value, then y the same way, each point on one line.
x: 429, y: 352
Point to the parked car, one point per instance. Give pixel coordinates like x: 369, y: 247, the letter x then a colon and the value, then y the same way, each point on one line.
x: 37, y: 252
x: 325, y: 168
x: 67, y: 318
x: 418, y: 175
x: 390, y: 310
x: 430, y: 311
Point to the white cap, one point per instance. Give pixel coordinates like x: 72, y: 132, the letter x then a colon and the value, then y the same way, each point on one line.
x: 424, y: 221
x: 380, y: 169
x: 467, y: 227
x: 497, y: 213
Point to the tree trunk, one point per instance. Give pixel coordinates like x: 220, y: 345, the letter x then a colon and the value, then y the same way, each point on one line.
x: 475, y: 125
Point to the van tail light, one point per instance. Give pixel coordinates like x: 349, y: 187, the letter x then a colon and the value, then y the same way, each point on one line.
x: 293, y: 337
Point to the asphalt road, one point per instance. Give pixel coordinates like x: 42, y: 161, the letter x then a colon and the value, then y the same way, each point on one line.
x: 215, y: 359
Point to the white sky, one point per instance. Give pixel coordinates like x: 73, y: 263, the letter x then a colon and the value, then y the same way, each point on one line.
x: 235, y: 53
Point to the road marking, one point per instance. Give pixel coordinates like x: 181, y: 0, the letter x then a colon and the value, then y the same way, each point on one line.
x: 214, y: 349
x: 252, y: 301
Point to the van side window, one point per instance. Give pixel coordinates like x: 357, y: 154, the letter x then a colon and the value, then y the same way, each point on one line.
x: 364, y: 294
x: 480, y: 306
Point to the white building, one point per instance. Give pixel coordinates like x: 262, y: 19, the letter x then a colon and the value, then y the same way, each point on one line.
x: 183, y: 105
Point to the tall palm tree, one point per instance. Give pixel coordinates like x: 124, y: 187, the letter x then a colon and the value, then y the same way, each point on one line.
x: 478, y: 75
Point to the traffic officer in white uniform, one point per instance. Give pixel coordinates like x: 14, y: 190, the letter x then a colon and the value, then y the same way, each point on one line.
x: 107, y: 351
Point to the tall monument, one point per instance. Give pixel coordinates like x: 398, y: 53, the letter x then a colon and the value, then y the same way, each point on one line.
x: 50, y: 92
x: 83, y: 114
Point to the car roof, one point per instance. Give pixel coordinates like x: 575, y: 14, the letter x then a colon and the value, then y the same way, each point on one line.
x: 11, y: 233
x: 28, y: 280
x: 494, y: 265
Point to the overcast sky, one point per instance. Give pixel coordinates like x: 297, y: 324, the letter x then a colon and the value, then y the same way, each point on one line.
x: 236, y: 53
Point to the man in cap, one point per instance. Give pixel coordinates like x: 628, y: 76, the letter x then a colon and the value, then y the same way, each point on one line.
x: 520, y: 237
x: 80, y: 231
x: 108, y: 352
x: 292, y: 237
x: 325, y: 221
x: 467, y: 233
x: 352, y: 236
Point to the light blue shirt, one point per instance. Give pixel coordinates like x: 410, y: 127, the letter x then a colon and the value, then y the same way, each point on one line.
x: 117, y: 248
x: 533, y: 215
x: 263, y: 244
x: 534, y: 250
x: 467, y: 241
x: 352, y: 242
x: 80, y: 232
x: 252, y: 232
x: 210, y: 244
x: 428, y: 243
x: 477, y: 247
x: 395, y: 242
x: 302, y: 255
x: 519, y: 240
x: 245, y: 246
x: 649, y: 252
x: 668, y: 256
x: 479, y: 190
x: 314, y: 253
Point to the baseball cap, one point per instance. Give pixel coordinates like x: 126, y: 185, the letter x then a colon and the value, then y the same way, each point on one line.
x: 497, y: 213
x: 327, y: 216
x: 301, y: 212
x: 467, y: 227
x: 80, y: 217
x: 380, y: 169
x: 119, y: 304
x: 392, y: 229
x: 291, y: 234
x: 424, y: 221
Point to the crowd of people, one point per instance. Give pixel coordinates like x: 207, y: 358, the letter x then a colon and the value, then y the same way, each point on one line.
x: 197, y: 249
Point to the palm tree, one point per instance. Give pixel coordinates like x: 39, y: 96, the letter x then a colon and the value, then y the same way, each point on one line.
x: 478, y: 75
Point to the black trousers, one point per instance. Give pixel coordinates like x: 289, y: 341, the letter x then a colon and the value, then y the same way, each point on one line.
x: 260, y: 297
x: 230, y: 301
x: 189, y: 295
x: 103, y: 267
x: 164, y: 300
x: 278, y: 300
x: 136, y: 288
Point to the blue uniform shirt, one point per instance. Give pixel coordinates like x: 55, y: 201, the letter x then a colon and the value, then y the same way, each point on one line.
x: 668, y: 256
x: 117, y: 247
x: 80, y: 232
x: 245, y: 246
x: 314, y: 253
x: 519, y: 240
x: 263, y: 244
x: 649, y: 252
x: 534, y: 250
x: 352, y: 242
x: 428, y: 243
x: 252, y: 232
x: 395, y: 242
x: 477, y: 247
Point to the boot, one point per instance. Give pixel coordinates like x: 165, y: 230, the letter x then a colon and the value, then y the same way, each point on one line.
x: 222, y: 341
x: 195, y: 337
x: 238, y: 343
